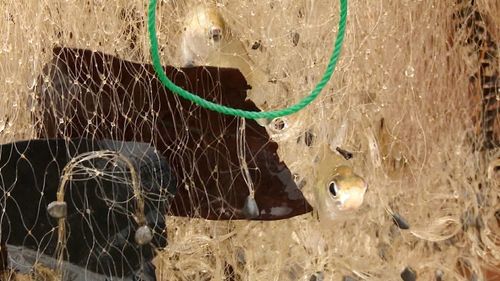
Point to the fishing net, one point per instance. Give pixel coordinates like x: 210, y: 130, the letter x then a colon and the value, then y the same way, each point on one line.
x: 109, y: 200
x: 414, y: 100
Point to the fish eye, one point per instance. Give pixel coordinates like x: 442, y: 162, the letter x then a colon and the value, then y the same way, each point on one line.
x: 278, y: 124
x: 332, y: 187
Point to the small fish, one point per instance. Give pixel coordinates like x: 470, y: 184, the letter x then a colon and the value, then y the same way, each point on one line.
x: 339, y: 190
x: 207, y: 40
x: 204, y: 32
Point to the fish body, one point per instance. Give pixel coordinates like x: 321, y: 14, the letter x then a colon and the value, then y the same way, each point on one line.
x: 338, y: 191
x: 207, y: 40
x: 204, y: 32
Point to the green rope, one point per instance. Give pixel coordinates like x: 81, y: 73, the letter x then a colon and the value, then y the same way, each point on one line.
x: 234, y: 111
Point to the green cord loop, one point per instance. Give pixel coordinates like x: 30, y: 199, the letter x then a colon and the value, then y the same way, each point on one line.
x: 234, y: 111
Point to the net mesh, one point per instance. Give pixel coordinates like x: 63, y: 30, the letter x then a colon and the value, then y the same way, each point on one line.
x: 107, y: 190
x: 400, y: 101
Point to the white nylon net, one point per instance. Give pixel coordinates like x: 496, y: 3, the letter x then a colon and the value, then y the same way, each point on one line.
x: 401, y: 100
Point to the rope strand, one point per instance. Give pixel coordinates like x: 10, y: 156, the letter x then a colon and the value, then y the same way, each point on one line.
x: 239, y: 112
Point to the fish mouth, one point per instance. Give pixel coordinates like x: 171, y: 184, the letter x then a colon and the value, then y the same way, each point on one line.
x: 217, y: 37
x: 216, y: 34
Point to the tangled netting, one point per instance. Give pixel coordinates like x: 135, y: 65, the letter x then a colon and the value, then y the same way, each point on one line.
x: 236, y: 111
x: 413, y: 102
x: 107, y: 190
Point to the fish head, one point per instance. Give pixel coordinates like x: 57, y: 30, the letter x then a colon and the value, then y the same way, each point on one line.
x: 338, y: 191
x: 204, y: 32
